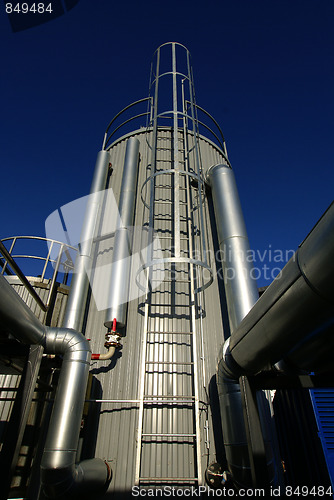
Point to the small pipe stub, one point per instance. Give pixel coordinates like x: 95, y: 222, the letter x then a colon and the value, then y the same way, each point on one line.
x: 215, y: 476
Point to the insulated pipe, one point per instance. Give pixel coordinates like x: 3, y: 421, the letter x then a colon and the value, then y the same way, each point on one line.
x: 241, y: 288
x: 75, y: 308
x: 61, y: 476
x: 121, y: 260
x: 241, y: 294
x: 295, y: 315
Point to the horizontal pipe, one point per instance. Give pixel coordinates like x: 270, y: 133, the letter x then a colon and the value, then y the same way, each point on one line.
x: 295, y: 314
x: 16, y: 316
x: 22, y: 276
x: 61, y: 475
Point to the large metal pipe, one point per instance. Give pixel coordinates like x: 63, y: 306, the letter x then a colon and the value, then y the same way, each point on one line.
x: 75, y: 308
x: 295, y: 315
x: 61, y: 476
x: 121, y: 261
x: 240, y: 286
x: 241, y: 294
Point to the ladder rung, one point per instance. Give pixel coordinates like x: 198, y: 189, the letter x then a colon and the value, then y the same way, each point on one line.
x: 168, y: 479
x: 168, y: 333
x: 158, y: 434
x: 167, y: 401
x: 170, y: 281
x: 168, y: 396
x: 169, y: 362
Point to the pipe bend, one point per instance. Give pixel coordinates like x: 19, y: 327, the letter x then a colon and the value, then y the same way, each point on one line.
x: 61, y: 476
x: 84, y: 480
x: 67, y: 342
x: 228, y: 368
x: 220, y: 166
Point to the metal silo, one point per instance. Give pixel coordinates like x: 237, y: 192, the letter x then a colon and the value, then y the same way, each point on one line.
x: 162, y: 292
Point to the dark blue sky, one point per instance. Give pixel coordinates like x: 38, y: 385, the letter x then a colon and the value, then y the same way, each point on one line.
x: 262, y: 68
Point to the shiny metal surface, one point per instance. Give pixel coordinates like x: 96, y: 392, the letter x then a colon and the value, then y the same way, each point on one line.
x: 121, y: 260
x: 118, y: 380
x: 58, y: 467
x: 59, y: 472
x: 17, y: 318
x: 241, y: 288
x: 241, y: 294
x: 76, y: 304
x: 296, y: 312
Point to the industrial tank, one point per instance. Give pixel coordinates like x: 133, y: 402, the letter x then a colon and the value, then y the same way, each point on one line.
x: 152, y: 295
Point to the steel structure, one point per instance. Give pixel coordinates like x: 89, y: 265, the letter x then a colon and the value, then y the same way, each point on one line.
x: 153, y: 412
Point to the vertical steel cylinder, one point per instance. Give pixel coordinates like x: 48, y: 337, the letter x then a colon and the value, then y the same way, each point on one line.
x: 241, y: 294
x: 241, y: 288
x: 77, y: 299
x: 121, y: 260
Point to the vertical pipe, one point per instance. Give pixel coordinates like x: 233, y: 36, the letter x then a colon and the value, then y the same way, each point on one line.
x: 121, y: 262
x: 241, y: 288
x: 75, y: 308
x: 241, y: 294
x: 60, y: 473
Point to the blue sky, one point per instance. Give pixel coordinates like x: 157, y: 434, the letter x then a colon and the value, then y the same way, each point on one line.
x: 262, y: 68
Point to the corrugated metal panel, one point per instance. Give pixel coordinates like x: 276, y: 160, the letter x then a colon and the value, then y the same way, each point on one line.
x: 116, y: 423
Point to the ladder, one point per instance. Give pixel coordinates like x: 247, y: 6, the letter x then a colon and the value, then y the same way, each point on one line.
x: 168, y: 422
x: 169, y: 432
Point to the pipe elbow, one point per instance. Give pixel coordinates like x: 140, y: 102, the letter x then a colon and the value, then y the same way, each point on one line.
x: 70, y: 481
x: 227, y: 368
x: 219, y: 166
x: 67, y: 342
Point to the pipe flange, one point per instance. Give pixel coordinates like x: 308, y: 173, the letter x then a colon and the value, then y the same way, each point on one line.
x: 112, y: 340
x: 215, y: 476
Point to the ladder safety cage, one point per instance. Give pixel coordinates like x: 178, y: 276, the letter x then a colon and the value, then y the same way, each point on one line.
x: 169, y: 428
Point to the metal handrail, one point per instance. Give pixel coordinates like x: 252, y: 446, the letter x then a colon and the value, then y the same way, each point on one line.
x: 9, y: 261
x: 107, y: 136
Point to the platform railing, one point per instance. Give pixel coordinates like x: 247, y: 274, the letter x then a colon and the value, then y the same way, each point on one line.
x: 58, y: 257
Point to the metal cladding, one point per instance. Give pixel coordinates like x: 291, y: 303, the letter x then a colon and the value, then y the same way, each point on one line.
x: 296, y: 313
x: 76, y: 304
x: 121, y: 261
x: 60, y: 473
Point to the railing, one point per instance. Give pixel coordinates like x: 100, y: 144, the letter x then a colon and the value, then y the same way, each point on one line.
x: 57, y: 261
x: 119, y: 125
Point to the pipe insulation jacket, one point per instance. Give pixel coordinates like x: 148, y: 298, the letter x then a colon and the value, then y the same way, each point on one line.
x: 61, y: 476
x: 121, y: 259
x: 241, y: 294
x: 294, y: 318
x: 75, y: 308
